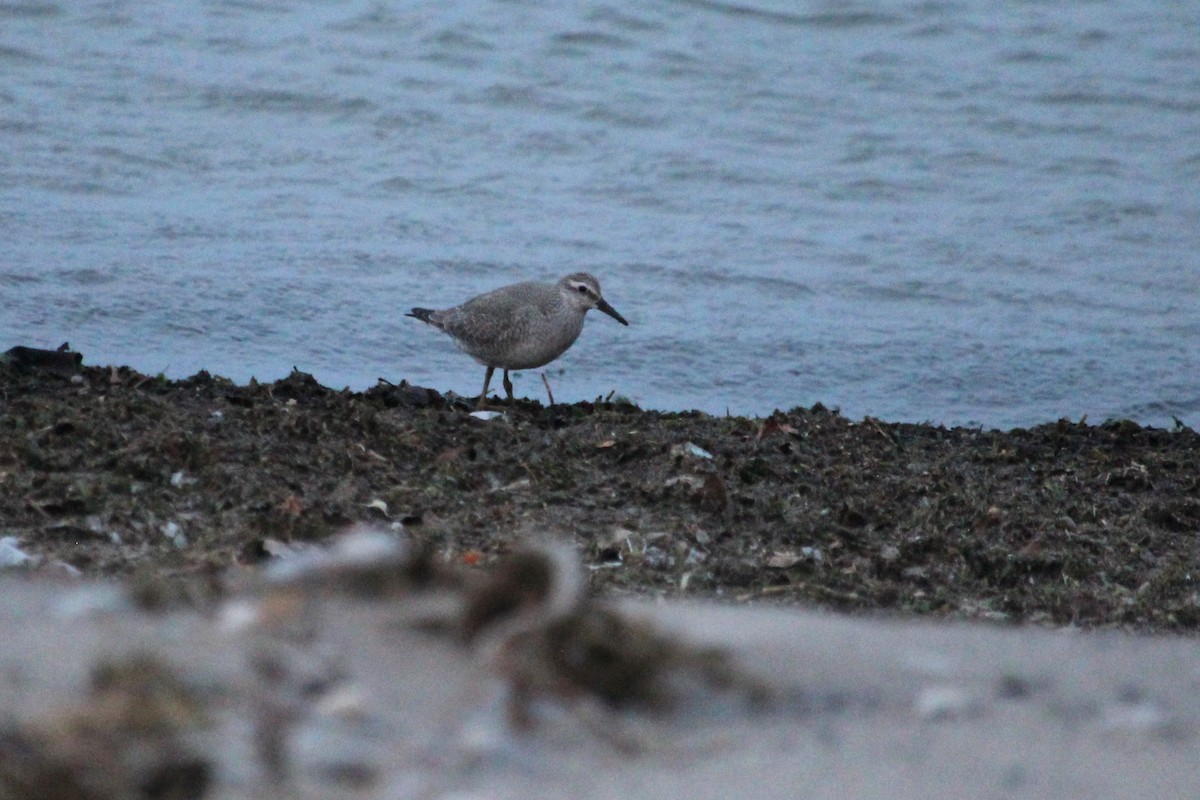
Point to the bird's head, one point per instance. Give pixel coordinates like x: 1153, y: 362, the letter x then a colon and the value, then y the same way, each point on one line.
x: 583, y: 291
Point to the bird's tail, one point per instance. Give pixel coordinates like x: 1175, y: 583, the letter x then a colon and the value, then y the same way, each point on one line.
x: 423, y: 314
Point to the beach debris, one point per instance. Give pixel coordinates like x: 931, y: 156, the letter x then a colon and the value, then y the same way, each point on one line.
x: 520, y: 484
x: 528, y: 617
x: 1137, y: 716
x: 279, y: 705
x: 713, y: 495
x: 61, y: 360
x: 1015, y: 686
x: 180, y: 479
x: 174, y: 532
x: 707, y: 491
x: 783, y: 560
x: 277, y: 548
x: 611, y: 548
x: 797, y: 566
x: 486, y: 416
x: 693, y: 482
x: 11, y: 555
x: 90, y: 599
x: 946, y: 702
x: 359, y: 545
x: 773, y: 426
x: 690, y: 449
x: 366, y: 561
x: 137, y: 736
x: 536, y: 627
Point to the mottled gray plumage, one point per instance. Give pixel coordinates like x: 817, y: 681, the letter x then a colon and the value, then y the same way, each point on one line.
x: 522, y: 326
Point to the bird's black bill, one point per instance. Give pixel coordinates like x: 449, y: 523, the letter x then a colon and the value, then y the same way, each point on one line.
x: 612, y: 312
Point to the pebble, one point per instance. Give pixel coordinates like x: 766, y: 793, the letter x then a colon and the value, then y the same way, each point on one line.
x: 946, y: 703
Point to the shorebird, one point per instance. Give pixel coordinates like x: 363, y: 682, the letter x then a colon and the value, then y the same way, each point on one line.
x: 521, y: 326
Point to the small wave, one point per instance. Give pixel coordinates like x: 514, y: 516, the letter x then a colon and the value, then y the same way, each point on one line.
x: 132, y: 159
x: 29, y: 10
x: 879, y: 189
x: 396, y: 185
x: 624, y: 117
x: 411, y: 119
x: 1032, y: 57
x: 18, y: 279
x: 1104, y: 213
x: 84, y: 187
x: 507, y: 95
x: 380, y: 18
x: 591, y: 39
x: 456, y: 48
x: 1184, y: 410
x: 1084, y: 165
x: 1135, y: 99
x: 176, y: 232
x: 460, y: 42
x: 18, y: 126
x: 846, y: 18
x: 17, y: 55
x: 623, y: 19
x: 913, y: 290
x: 283, y: 100
x: 85, y: 276
x: 723, y: 280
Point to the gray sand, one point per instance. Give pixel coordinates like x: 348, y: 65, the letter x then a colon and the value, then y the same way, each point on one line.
x: 864, y: 708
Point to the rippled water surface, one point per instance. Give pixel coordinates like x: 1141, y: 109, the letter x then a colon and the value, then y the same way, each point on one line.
x: 948, y: 211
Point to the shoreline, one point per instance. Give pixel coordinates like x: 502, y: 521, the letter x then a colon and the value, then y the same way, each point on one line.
x: 117, y: 473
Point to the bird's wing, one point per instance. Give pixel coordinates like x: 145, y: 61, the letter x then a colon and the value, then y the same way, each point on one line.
x: 492, y: 318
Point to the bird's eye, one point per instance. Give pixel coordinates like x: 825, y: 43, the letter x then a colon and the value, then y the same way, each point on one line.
x: 583, y: 290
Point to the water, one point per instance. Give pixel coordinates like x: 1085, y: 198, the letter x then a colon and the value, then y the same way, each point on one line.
x: 966, y: 213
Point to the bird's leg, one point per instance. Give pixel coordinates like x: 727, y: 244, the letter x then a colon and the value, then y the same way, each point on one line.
x: 508, y: 387
x: 487, y: 379
x: 549, y: 393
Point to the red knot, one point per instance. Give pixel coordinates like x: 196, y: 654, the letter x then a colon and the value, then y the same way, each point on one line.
x: 522, y: 326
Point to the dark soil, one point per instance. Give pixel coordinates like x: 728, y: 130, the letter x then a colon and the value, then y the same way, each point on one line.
x: 114, y: 472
